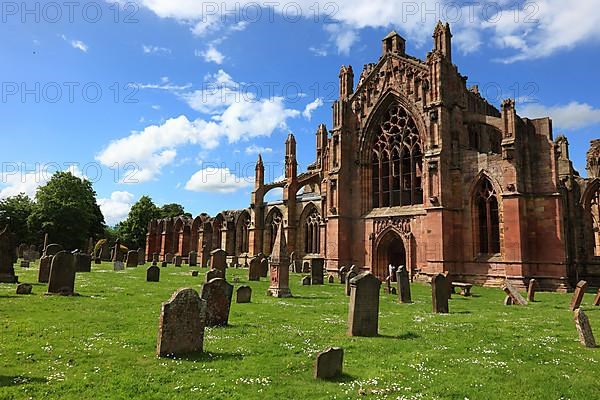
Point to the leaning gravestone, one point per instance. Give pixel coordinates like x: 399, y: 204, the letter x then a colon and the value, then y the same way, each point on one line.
x: 132, y: 259
x: 363, y: 314
x: 403, y: 283
x: 214, y: 273
x: 193, y: 259
x: 439, y: 294
x: 531, y: 290
x: 514, y: 294
x: 83, y: 262
x: 218, y: 259
x: 586, y: 336
x: 578, y: 295
x: 24, y: 288
x: 264, y: 268
x: 243, y: 295
x: 153, y: 274
x: 218, y: 294
x: 316, y: 270
x: 329, y: 363
x: 254, y: 270
x: 62, y: 274
x: 181, y: 324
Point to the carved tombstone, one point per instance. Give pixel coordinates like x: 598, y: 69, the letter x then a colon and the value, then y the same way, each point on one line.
x: 578, y: 295
x: 218, y: 259
x: 439, y: 294
x: 403, y: 283
x: 153, y: 274
x: 62, y: 274
x: 83, y: 262
x: 218, y: 294
x: 279, y: 268
x: 329, y: 363
x: 181, y: 324
x: 363, y: 313
x: 132, y: 259
x: 514, y: 294
x: 586, y: 336
x: 243, y: 295
x: 193, y: 259
x: 532, y: 287
x: 254, y: 270
x: 264, y: 268
x: 8, y: 257
x: 316, y: 270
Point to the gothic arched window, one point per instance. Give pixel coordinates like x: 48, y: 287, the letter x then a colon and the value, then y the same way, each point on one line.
x: 244, y: 232
x: 595, y: 209
x: 488, y: 218
x: 397, y: 161
x: 312, y: 233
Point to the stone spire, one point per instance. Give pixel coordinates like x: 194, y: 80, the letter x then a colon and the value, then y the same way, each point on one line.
x: 259, y: 179
x: 279, y: 267
x: 322, y: 136
x: 279, y: 254
x: 346, y: 81
x: 442, y: 40
x: 291, y: 165
x: 593, y: 159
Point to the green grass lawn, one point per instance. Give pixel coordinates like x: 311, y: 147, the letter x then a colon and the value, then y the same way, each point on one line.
x: 101, y: 345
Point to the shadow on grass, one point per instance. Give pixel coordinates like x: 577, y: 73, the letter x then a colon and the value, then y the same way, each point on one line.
x: 210, y: 356
x: 311, y: 297
x: 6, y: 381
x: 404, y: 336
x: 344, y: 378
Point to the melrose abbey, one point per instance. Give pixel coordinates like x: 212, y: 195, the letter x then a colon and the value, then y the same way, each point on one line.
x: 418, y: 170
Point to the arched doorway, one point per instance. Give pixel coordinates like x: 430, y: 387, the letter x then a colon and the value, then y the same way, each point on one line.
x: 390, y: 250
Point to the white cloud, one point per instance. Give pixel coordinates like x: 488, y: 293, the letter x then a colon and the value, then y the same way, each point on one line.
x: 18, y: 179
x: 233, y: 119
x: 116, y: 208
x: 212, y: 55
x: 570, y: 116
x: 311, y: 107
x: 318, y: 51
x: 254, y: 149
x: 219, y: 180
x: 344, y: 36
x: 165, y: 84
x: 76, y: 44
x: 155, y: 50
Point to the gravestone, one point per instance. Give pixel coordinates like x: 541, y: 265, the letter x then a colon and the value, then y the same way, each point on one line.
x: 597, y: 299
x: 351, y: 275
x: 141, y: 257
x: 218, y: 259
x: 330, y: 279
x: 243, y: 294
x: 44, y: 272
x: 363, y: 314
x: 53, y: 249
x: 531, y: 290
x: 316, y: 270
x: 181, y: 325
x: 254, y: 270
x: 439, y: 294
x: 342, y: 272
x: 118, y: 266
x: 24, y: 288
x: 264, y: 268
x: 62, y: 274
x: 279, y: 270
x: 97, y: 260
x: 329, y: 363
x: 193, y: 259
x: 217, y: 293
x: 8, y: 257
x: 508, y: 301
x: 21, y: 250
x: 195, y: 273
x: 213, y: 274
x: 153, y: 274
x: 586, y: 336
x: 305, y: 267
x: 178, y: 261
x: 578, y: 295
x: 164, y: 264
x: 132, y: 259
x: 169, y: 258
x: 403, y: 283
x: 24, y: 264
x: 83, y: 262
x: 514, y: 294
x: 154, y: 257
x: 306, y: 281
x: 117, y: 252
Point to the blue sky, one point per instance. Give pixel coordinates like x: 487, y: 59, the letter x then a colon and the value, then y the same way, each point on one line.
x: 175, y: 98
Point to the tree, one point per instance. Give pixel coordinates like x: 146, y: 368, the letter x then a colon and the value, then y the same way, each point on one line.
x: 173, y: 210
x: 133, y: 230
x: 67, y: 210
x: 14, y: 212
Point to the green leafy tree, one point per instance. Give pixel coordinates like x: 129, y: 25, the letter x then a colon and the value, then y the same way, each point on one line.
x: 132, y: 231
x: 14, y: 212
x: 173, y: 210
x: 67, y: 210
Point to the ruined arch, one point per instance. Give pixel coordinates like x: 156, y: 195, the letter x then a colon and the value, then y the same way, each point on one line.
x: 591, y: 206
x: 218, y: 224
x: 242, y: 233
x: 394, y: 247
x: 309, y: 230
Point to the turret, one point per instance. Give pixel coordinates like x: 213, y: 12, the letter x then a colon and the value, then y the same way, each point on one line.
x: 346, y: 81
x: 593, y: 159
x: 322, y: 135
x: 291, y: 165
x: 259, y: 179
x: 442, y: 40
x: 394, y: 43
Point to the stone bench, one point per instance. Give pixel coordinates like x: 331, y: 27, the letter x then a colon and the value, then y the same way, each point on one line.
x: 465, y: 288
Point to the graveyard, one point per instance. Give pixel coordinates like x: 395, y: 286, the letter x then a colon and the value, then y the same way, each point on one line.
x: 102, y: 343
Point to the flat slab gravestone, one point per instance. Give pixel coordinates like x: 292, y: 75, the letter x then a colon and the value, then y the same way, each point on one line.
x: 403, y: 282
x: 181, y: 324
x: 153, y: 274
x: 439, y: 294
x: 217, y: 293
x: 83, y: 262
x: 243, y: 295
x: 514, y: 294
x: 193, y: 259
x: 329, y: 364
x: 62, y: 274
x: 132, y: 259
x: 317, y: 266
x: 264, y: 268
x: 44, y: 271
x: 363, y: 312
x: 178, y: 261
x: 578, y: 295
x: 586, y: 336
x: 254, y: 270
x: 218, y: 259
